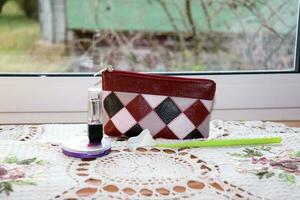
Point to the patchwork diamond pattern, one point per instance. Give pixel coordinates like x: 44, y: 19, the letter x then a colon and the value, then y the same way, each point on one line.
x: 154, y: 100
x: 166, y: 133
x: 110, y: 128
x: 141, y: 111
x: 153, y: 123
x: 134, y: 131
x: 105, y: 94
x: 204, y: 127
x: 126, y: 119
x: 167, y: 110
x: 112, y: 104
x: 125, y: 97
x: 207, y: 104
x: 194, y: 134
x: 166, y: 117
x: 183, y: 103
x: 181, y: 126
x: 197, y: 113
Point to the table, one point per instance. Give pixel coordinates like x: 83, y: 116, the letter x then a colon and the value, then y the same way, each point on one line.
x: 33, y: 167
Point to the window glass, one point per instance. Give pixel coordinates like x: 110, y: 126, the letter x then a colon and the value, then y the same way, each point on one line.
x: 147, y: 35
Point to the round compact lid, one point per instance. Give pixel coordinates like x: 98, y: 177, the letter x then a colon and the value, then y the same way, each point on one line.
x: 79, y: 147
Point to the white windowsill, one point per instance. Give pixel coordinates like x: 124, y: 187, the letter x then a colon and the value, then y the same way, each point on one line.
x: 64, y: 99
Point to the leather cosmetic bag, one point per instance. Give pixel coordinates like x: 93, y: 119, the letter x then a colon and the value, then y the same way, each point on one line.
x: 170, y: 107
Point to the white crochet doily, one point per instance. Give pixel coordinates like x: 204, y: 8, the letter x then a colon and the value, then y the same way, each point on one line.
x: 149, y: 173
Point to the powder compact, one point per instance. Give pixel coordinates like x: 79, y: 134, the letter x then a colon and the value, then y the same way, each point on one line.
x: 80, y: 147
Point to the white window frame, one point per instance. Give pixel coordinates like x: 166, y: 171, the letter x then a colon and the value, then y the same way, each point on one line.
x: 43, y: 99
x: 64, y: 99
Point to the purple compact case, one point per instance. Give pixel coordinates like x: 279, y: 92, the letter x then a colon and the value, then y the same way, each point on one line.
x: 85, y: 155
x: 79, y: 147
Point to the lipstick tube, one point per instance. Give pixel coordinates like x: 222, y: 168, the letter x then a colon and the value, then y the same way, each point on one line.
x: 95, y: 125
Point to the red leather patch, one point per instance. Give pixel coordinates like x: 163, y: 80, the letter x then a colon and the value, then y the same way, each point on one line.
x: 138, y: 108
x: 197, y: 113
x: 158, y: 85
x: 166, y: 133
x: 111, y: 130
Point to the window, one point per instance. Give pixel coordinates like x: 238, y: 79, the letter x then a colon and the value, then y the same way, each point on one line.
x: 48, y: 55
x: 148, y: 35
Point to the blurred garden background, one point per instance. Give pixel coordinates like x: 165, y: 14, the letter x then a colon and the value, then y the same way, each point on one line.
x: 21, y: 46
x: 147, y: 35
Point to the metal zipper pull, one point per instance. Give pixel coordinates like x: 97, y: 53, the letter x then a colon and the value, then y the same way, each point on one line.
x: 109, y: 68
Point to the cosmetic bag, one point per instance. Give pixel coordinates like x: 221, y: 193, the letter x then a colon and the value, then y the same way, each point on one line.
x: 170, y: 107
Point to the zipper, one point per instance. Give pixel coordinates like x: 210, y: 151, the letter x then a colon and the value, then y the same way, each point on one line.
x: 161, y: 77
x: 110, y: 68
